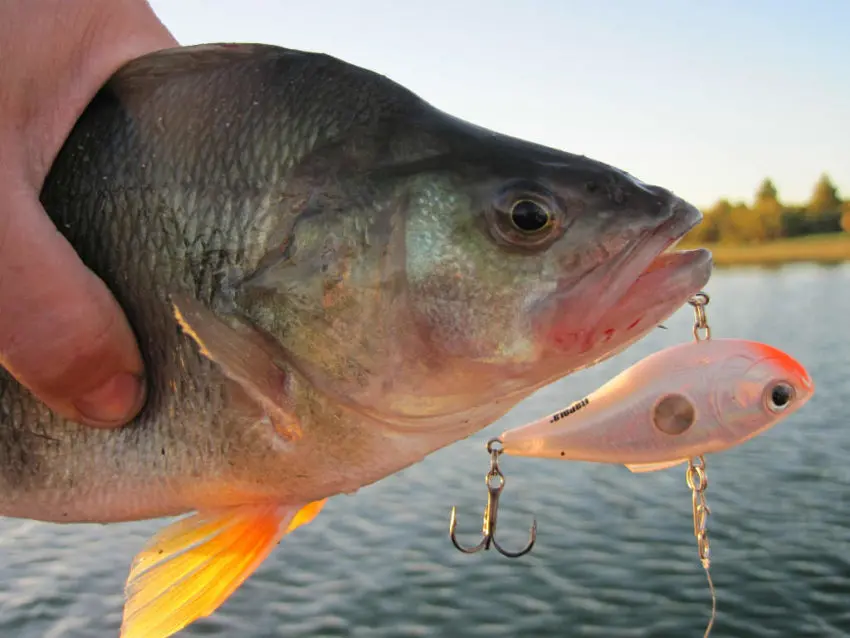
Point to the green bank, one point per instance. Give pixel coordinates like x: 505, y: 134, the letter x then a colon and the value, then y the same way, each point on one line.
x: 824, y: 248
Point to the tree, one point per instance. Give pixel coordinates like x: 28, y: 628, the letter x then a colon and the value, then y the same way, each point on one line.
x: 708, y: 230
x: 749, y: 224
x: 824, y: 198
x: 768, y: 209
x: 845, y: 216
x: 737, y: 223
x: 795, y: 222
x: 721, y: 208
x: 767, y: 190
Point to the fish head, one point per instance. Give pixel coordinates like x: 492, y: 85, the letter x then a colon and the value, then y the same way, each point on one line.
x: 525, y: 263
x: 759, y: 389
x: 443, y: 273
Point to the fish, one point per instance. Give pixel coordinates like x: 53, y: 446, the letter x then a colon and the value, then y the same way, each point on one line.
x: 679, y: 403
x: 329, y: 279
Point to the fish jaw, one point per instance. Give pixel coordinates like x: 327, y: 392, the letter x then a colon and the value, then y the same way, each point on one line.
x: 652, y: 284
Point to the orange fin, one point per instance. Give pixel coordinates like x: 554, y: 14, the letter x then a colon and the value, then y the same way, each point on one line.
x: 654, y: 467
x: 242, y: 358
x: 190, y: 568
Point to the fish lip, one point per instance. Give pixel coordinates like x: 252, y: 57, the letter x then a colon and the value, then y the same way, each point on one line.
x: 669, y: 280
x: 697, y: 262
x: 617, y: 280
x: 684, y: 217
x: 648, y: 254
x: 669, y: 259
x: 656, y: 293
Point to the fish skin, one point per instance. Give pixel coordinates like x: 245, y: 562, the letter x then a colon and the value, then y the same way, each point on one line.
x: 325, y: 286
x: 722, y: 385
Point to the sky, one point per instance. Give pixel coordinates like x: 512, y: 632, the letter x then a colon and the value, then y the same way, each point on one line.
x: 703, y: 98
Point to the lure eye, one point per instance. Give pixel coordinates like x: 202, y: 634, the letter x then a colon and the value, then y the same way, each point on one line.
x: 673, y: 414
x: 779, y: 397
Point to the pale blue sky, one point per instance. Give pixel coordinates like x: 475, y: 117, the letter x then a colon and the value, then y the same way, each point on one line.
x: 705, y: 98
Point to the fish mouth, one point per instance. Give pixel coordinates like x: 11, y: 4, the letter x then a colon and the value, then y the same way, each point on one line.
x: 675, y: 273
x: 670, y: 280
x: 683, y: 218
x: 666, y: 282
x: 633, y: 293
x: 677, y: 267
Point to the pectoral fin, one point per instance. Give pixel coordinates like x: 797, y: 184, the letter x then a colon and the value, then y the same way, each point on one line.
x: 190, y: 568
x: 242, y: 359
x: 654, y: 467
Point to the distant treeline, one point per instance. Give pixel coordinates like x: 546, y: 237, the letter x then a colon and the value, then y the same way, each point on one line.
x: 768, y: 218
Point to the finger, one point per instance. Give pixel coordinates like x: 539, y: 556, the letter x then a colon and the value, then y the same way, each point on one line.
x: 62, y: 334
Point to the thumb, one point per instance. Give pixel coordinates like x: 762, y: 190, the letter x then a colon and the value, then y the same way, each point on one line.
x: 62, y: 334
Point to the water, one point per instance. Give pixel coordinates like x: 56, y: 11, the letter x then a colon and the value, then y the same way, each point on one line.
x: 615, y: 555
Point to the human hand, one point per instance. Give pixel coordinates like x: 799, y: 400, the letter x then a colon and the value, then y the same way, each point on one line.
x: 62, y: 334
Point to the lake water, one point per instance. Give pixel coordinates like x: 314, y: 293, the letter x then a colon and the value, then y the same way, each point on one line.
x: 615, y: 555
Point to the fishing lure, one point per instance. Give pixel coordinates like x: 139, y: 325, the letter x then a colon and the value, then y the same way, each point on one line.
x: 672, y: 407
x: 685, y: 401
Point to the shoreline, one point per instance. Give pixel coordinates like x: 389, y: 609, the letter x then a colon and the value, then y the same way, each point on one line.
x: 832, y: 248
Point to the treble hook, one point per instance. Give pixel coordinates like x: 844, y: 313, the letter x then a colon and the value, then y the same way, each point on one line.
x: 494, y: 490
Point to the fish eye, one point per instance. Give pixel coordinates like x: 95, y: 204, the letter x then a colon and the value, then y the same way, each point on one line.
x: 779, y: 396
x: 525, y: 216
x: 529, y: 216
x: 674, y: 414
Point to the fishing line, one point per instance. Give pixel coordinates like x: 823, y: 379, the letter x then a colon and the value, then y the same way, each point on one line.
x: 713, y: 603
x: 696, y: 475
x: 698, y: 482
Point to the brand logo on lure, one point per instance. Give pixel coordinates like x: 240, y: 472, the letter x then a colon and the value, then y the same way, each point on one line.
x: 575, y: 407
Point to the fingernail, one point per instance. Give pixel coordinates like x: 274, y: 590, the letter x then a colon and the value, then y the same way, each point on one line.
x: 114, y: 402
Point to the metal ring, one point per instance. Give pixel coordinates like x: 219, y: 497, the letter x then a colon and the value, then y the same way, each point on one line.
x: 696, y: 473
x: 704, y: 337
x: 501, y: 478
x: 491, y: 446
x: 699, y: 299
